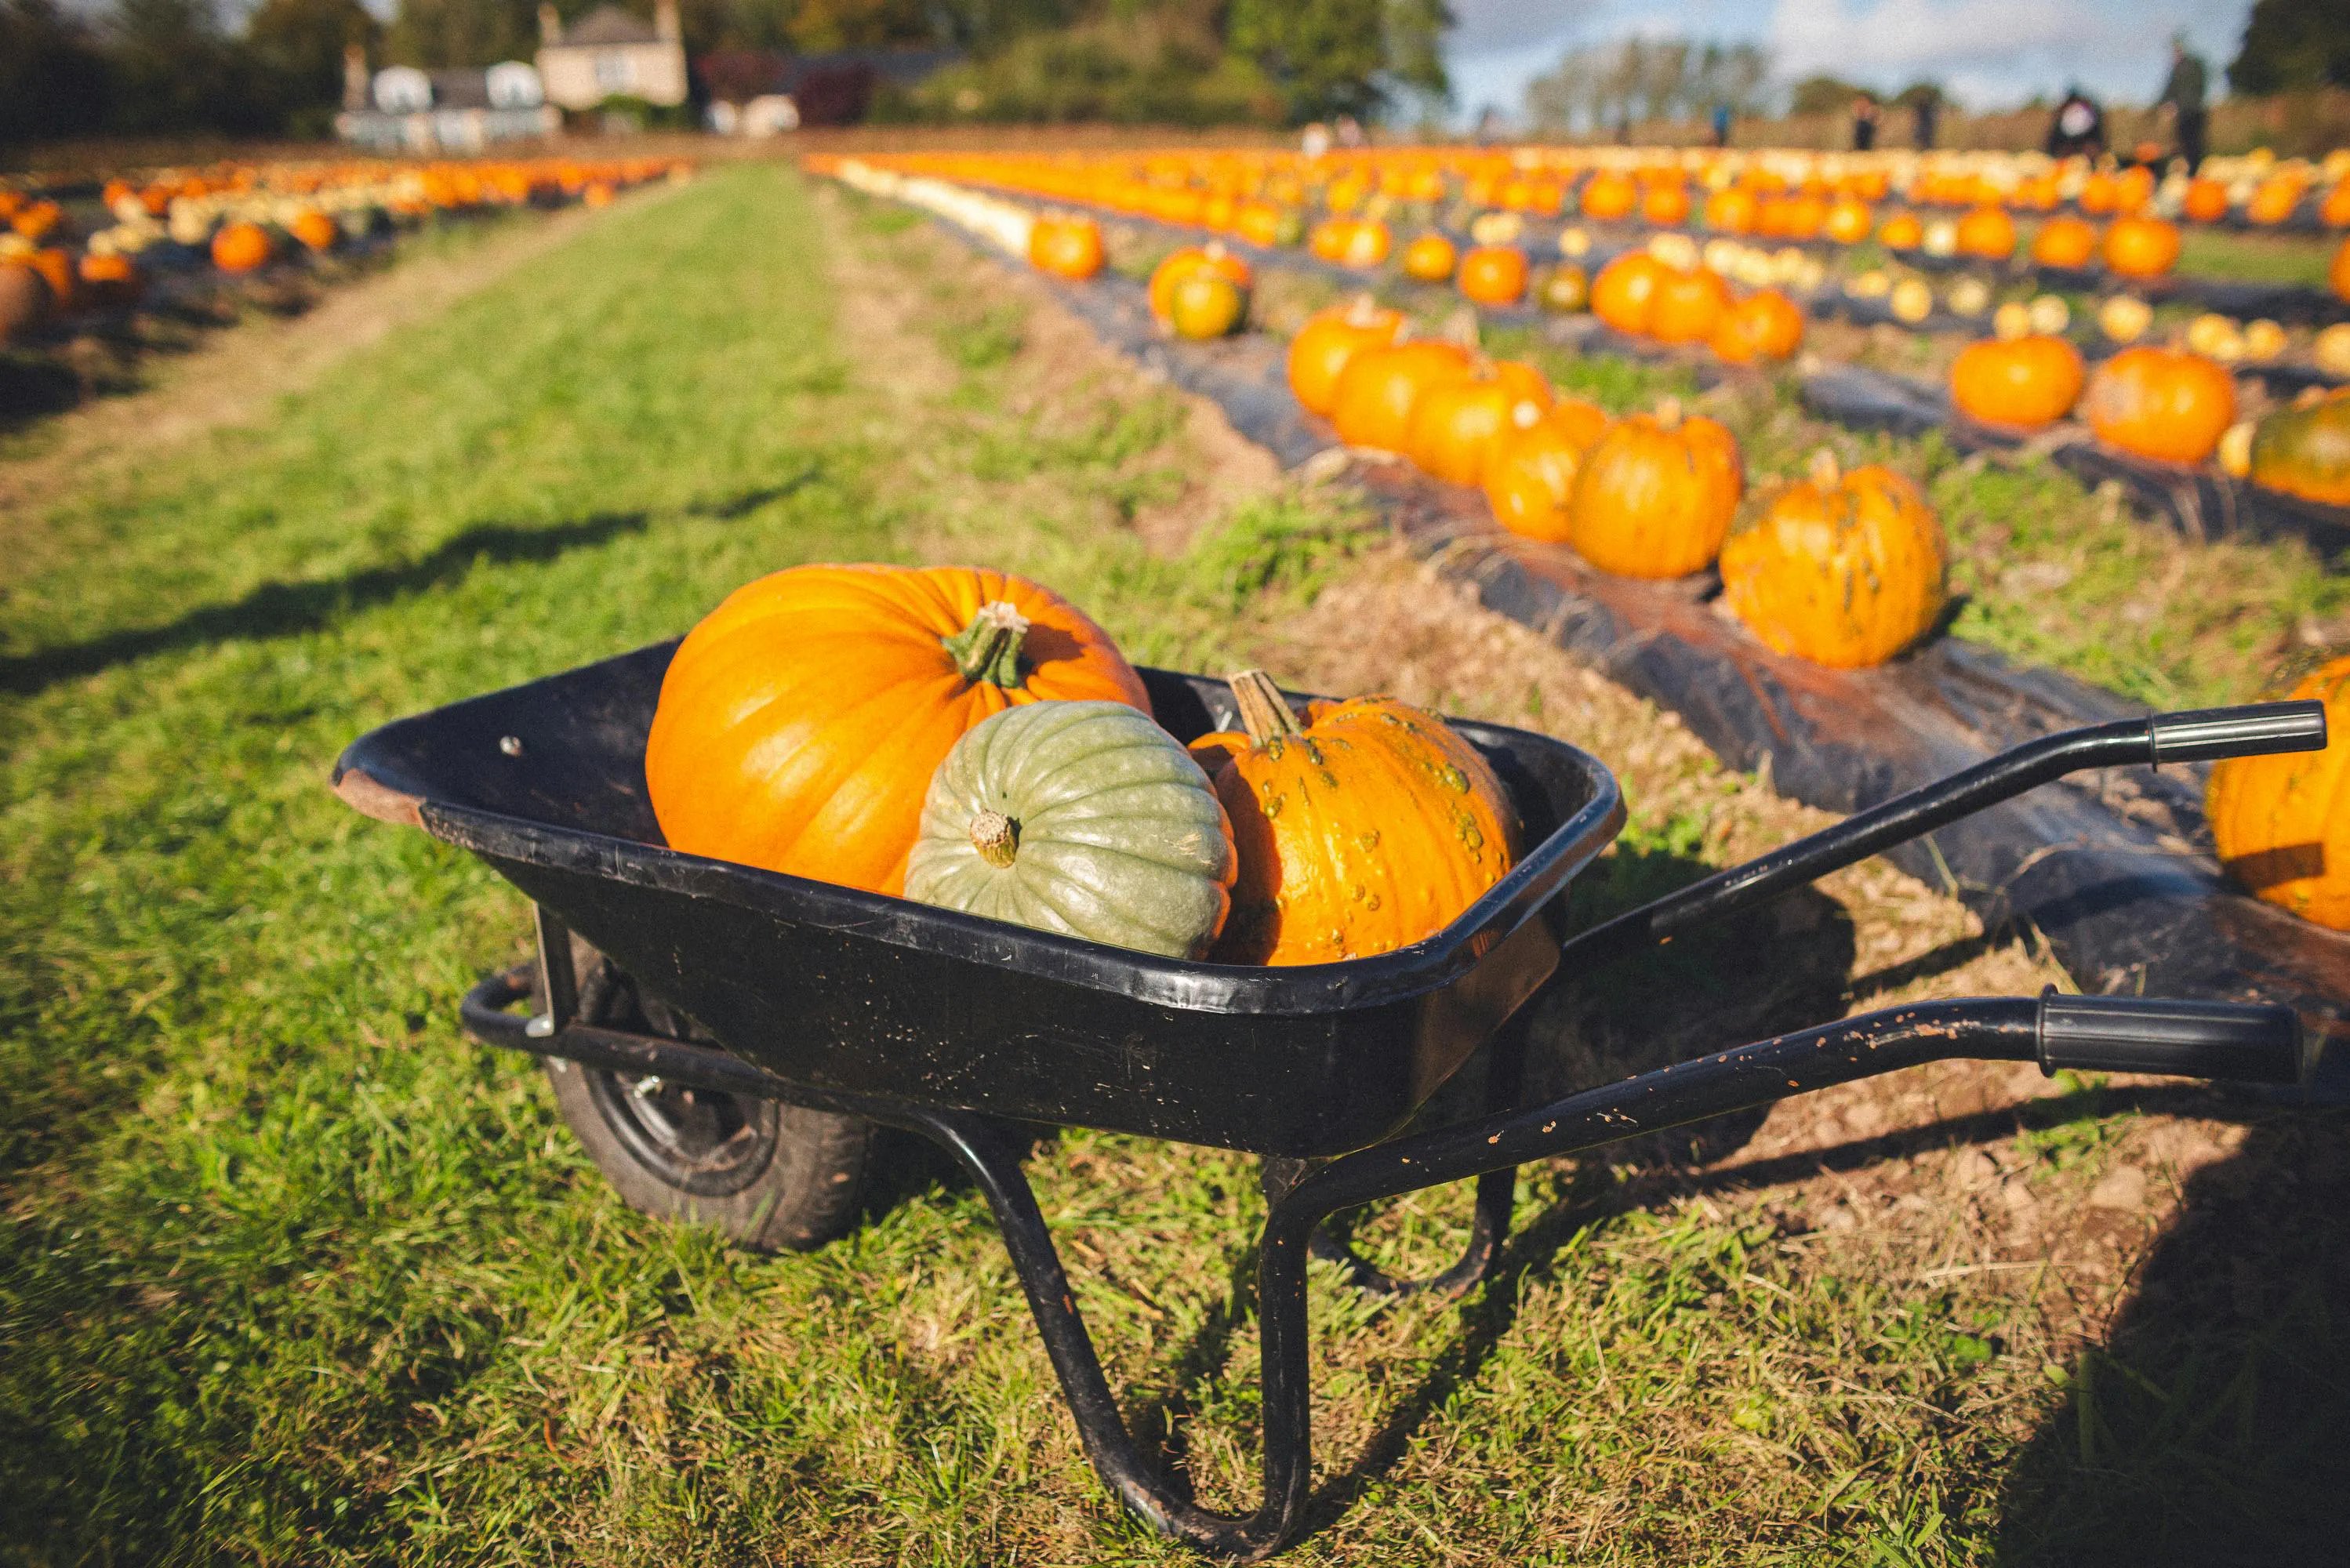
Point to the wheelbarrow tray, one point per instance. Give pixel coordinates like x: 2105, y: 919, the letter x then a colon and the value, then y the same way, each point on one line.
x: 838, y: 990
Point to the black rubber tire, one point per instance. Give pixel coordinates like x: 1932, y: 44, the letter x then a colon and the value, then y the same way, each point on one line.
x: 769, y: 1176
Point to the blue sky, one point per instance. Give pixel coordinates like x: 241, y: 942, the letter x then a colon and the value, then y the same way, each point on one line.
x: 1990, y: 53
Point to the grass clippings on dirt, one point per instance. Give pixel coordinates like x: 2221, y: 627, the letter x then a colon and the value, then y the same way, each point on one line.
x: 291, y: 1271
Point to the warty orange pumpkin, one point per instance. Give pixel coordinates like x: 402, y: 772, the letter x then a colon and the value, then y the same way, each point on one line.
x: 799, y: 723
x: 1329, y: 339
x: 2025, y: 381
x: 2282, y: 822
x: 1842, y: 569
x: 1377, y: 390
x: 2162, y: 403
x: 1656, y: 494
x: 1366, y: 828
x: 1455, y: 422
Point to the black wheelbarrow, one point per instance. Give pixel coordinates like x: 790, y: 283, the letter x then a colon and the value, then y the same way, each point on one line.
x: 723, y: 1038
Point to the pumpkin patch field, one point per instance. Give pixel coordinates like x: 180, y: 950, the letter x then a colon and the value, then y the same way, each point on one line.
x: 291, y: 1270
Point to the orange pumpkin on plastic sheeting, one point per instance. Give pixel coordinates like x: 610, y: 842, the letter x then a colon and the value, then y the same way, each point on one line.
x: 2064, y: 243
x: 1844, y: 569
x: 1625, y: 292
x: 2282, y: 822
x: 1730, y: 211
x: 1366, y: 828
x: 799, y: 723
x: 2334, y: 211
x: 1323, y: 346
x: 1493, y: 274
x: 1765, y: 324
x: 1380, y: 387
x: 1364, y: 245
x: 1066, y: 247
x: 1989, y: 233
x: 1608, y: 196
x: 2163, y: 403
x: 242, y: 248
x: 2026, y: 381
x: 1212, y: 256
x: 2338, y: 275
x: 1205, y: 304
x: 1848, y: 221
x: 1530, y: 468
x: 1429, y: 259
x: 1902, y: 232
x: 1656, y: 495
x: 2206, y: 201
x: 1666, y: 204
x: 2141, y: 247
x: 1455, y: 422
x: 1689, y: 305
x: 112, y: 280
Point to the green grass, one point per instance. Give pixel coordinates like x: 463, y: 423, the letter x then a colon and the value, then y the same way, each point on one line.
x: 291, y: 1273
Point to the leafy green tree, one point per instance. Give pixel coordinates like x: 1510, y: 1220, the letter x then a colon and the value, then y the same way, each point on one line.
x: 301, y: 45
x: 2294, y: 44
x: 175, y: 70
x: 1824, y: 95
x: 440, y: 34
x: 53, y: 74
x: 1343, y: 56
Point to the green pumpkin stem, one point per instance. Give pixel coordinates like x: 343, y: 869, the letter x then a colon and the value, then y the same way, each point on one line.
x: 997, y: 837
x: 1265, y: 712
x: 989, y: 648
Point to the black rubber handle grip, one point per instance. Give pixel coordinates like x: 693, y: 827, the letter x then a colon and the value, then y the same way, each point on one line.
x: 2232, y: 1042
x: 2255, y: 730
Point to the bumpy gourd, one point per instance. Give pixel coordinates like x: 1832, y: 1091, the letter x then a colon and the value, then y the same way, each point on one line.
x: 1842, y: 569
x: 1084, y: 818
x: 1366, y: 828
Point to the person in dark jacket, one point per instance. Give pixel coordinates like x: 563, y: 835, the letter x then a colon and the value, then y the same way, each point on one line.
x: 1864, y: 123
x: 2078, y: 126
x: 2182, y: 99
x: 1926, y: 112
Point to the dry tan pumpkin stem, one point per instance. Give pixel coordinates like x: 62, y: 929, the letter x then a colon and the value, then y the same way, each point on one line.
x: 1265, y: 712
x: 1825, y: 472
x: 1362, y: 310
x: 997, y: 837
x: 989, y: 648
x: 1669, y: 413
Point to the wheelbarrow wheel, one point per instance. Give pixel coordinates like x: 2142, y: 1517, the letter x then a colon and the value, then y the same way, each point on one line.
x: 770, y: 1176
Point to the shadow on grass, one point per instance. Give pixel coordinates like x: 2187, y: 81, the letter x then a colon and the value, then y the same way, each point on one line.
x: 287, y: 610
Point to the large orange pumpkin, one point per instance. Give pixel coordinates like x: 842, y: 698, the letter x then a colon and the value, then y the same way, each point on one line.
x: 1656, y: 495
x: 1366, y: 828
x: 2026, y: 381
x: 1625, y: 292
x: 1689, y: 305
x: 1455, y: 422
x: 1765, y: 324
x: 2163, y: 403
x: 1531, y: 467
x: 1493, y: 274
x: 1989, y: 233
x: 1323, y: 346
x: 241, y: 247
x: 1429, y: 258
x: 799, y: 723
x: 1069, y: 247
x: 2282, y: 822
x: 2064, y: 243
x: 1378, y: 388
x: 1844, y: 569
x: 2141, y: 247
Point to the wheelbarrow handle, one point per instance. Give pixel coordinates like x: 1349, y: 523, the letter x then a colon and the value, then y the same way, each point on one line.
x: 2203, y: 736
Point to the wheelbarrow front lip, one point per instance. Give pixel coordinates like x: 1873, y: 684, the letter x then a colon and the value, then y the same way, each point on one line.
x: 380, y: 774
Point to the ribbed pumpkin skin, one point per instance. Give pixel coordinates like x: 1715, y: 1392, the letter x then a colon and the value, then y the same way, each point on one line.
x: 1319, y: 351
x: 2282, y: 822
x: 1371, y: 830
x: 1119, y: 836
x: 2027, y: 381
x: 1624, y: 294
x: 1843, y: 570
x: 2305, y: 451
x: 800, y: 722
x: 1531, y: 467
x: 2161, y: 403
x: 1655, y: 497
x: 1455, y: 422
x: 1380, y: 387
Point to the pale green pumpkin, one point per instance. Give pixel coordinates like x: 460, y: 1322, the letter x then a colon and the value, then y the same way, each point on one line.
x: 1084, y: 818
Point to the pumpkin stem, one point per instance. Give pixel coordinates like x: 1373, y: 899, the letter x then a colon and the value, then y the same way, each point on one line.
x: 1669, y: 413
x: 1265, y: 712
x: 989, y: 648
x: 997, y: 837
x: 1362, y: 310
x: 1826, y: 473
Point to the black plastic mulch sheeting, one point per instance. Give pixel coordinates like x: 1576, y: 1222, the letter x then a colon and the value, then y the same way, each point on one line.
x: 2110, y: 869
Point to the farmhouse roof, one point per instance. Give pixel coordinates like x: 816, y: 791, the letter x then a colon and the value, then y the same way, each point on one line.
x: 610, y: 25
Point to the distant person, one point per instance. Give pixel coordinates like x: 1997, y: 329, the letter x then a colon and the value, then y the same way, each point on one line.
x: 1721, y: 125
x: 1314, y: 141
x: 1926, y: 114
x: 1348, y: 131
x: 1864, y: 123
x: 2182, y: 99
x: 2078, y: 126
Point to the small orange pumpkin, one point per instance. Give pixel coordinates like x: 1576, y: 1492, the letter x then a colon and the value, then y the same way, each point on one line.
x: 2026, y: 381
x: 1625, y: 292
x: 241, y: 247
x: 1731, y: 210
x: 1530, y: 468
x: 2337, y: 274
x: 1429, y: 258
x: 2163, y: 403
x: 1608, y: 195
x: 1377, y: 390
x: 112, y: 280
x: 1689, y: 305
x: 1365, y: 244
x: 1323, y: 346
x: 1848, y: 222
x: 1765, y: 324
x: 1844, y: 569
x: 2064, y: 243
x: 2206, y: 201
x: 1989, y: 233
x: 1212, y: 256
x: 1455, y: 422
x: 1902, y: 232
x: 1366, y: 828
x: 1205, y: 304
x: 317, y: 231
x: 799, y: 723
x: 1666, y: 204
x: 1069, y: 247
x: 1656, y: 494
x: 1493, y: 274
x: 2141, y: 247
x: 2281, y: 823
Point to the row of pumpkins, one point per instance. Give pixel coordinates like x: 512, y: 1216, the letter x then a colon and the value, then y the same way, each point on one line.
x: 970, y: 739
